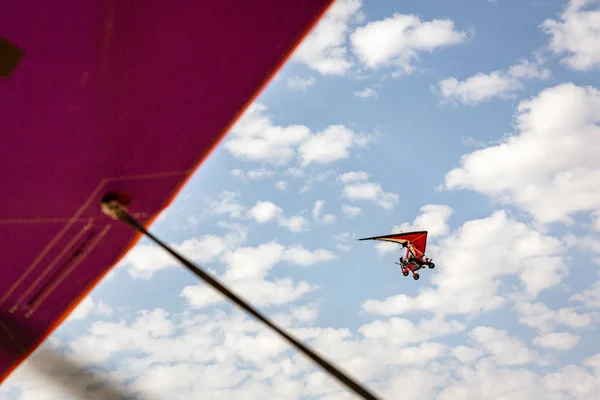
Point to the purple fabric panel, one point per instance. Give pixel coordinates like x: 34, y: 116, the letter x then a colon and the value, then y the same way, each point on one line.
x: 112, y: 95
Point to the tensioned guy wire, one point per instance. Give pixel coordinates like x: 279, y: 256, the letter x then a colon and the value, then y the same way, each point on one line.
x: 112, y: 205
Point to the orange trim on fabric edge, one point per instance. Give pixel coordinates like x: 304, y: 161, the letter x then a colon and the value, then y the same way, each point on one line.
x: 176, y: 191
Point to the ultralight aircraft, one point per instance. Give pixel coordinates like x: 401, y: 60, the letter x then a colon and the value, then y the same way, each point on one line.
x: 415, y: 243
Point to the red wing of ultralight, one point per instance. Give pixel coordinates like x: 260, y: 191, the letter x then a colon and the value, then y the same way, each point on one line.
x: 109, y: 95
x: 418, y: 240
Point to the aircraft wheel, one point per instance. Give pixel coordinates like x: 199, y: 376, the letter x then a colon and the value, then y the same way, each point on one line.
x: 405, y: 273
x: 416, y: 277
x: 431, y: 265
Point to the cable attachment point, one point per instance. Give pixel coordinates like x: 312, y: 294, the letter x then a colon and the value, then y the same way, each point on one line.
x: 113, y: 204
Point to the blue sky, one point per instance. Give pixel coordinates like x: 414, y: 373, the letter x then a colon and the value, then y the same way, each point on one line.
x: 475, y: 120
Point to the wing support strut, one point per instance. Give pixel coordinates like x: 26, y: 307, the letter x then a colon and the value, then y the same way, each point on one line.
x: 113, y: 205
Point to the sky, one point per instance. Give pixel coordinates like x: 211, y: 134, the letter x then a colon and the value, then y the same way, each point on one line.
x: 476, y: 120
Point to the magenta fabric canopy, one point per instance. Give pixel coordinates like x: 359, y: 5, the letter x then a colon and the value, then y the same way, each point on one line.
x: 112, y: 95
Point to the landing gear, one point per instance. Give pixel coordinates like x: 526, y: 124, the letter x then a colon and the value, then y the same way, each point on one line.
x: 416, y: 276
x: 431, y: 265
x: 405, y: 272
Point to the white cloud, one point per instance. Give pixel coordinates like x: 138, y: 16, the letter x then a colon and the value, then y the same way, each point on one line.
x: 433, y: 219
x: 306, y: 313
x: 331, y: 144
x: 354, y: 176
x: 527, y: 69
x: 358, y: 188
x: 89, y: 306
x: 145, y: 259
x: 226, y: 355
x: 590, y: 245
x: 318, y: 207
x: 295, y: 223
x: 366, y: 93
x: 343, y: 247
x: 281, y: 185
x: 316, y: 212
x: 479, y: 87
x: 590, y: 297
x: 550, y: 166
x: 253, y: 175
x: 261, y: 293
x: 328, y: 219
x: 324, y: 50
x: 304, y: 189
x: 545, y: 320
x: 261, y: 173
x: 255, y: 138
x: 265, y: 211
x: 557, y: 341
x: 301, y: 256
x: 497, y: 84
x: 299, y: 83
x: 396, y: 41
x: 247, y: 270
x: 226, y: 204
x: 262, y: 212
x: 466, y: 354
x: 399, y: 39
x: 576, y: 35
x: 351, y: 211
x: 488, y: 380
x: 503, y: 348
x: 343, y: 236
x: 371, y: 191
x: 460, y: 283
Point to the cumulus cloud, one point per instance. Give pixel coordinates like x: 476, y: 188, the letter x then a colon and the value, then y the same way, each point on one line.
x: 281, y: 185
x: 329, y: 145
x: 226, y: 203
x: 398, y: 40
x: 371, y: 191
x: 366, y: 93
x: 90, y: 306
x: 317, y: 210
x: 325, y: 49
x: 351, y: 211
x: 433, y: 219
x: 295, y: 223
x: 503, y: 348
x: 576, y: 35
x: 538, y: 316
x: 560, y: 341
x: 262, y: 212
x: 353, y: 176
x: 255, y: 138
x: 590, y: 297
x: 497, y: 84
x: 247, y: 270
x: 357, y: 187
x: 549, y: 167
x: 226, y: 355
x: 265, y: 211
x: 338, y: 45
x: 144, y: 260
x: 300, y: 83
